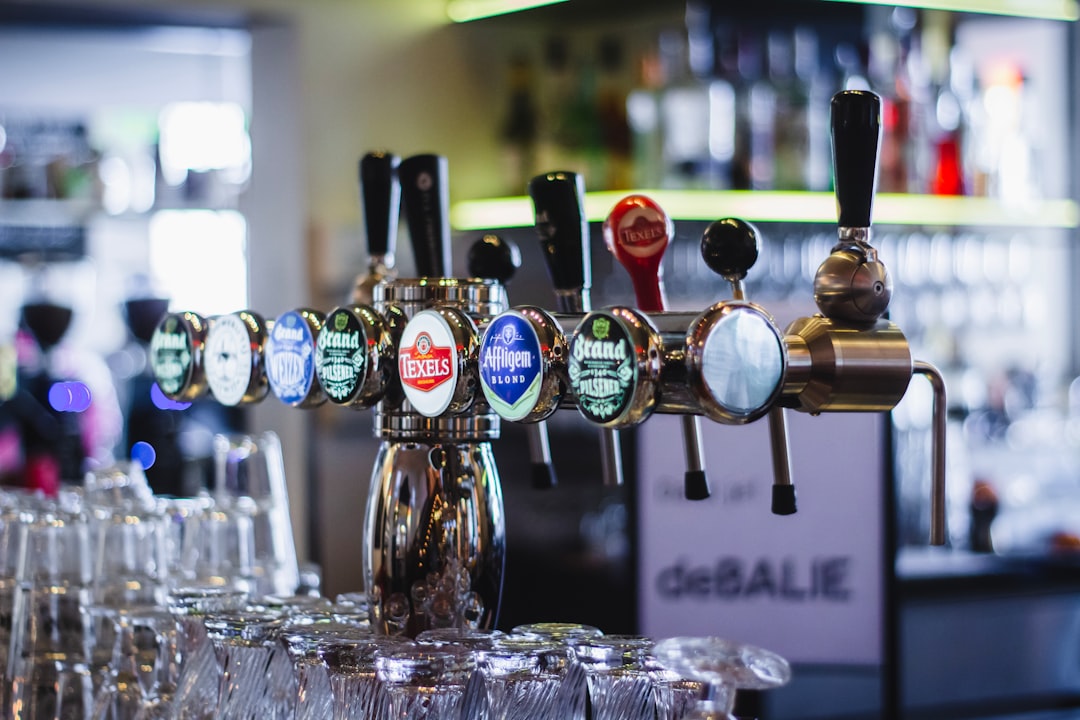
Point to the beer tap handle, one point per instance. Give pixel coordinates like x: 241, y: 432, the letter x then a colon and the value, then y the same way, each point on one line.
x: 559, y: 201
x: 497, y: 259
x: 380, y: 199
x: 425, y: 198
x: 493, y: 258
x: 852, y: 285
x: 637, y: 231
x: 730, y: 248
x: 856, y: 133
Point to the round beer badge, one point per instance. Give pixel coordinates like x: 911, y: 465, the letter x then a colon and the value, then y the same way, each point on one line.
x: 510, y: 366
x: 428, y: 363
x: 290, y: 357
x: 602, y: 368
x: 171, y: 355
x: 340, y: 355
x: 228, y: 359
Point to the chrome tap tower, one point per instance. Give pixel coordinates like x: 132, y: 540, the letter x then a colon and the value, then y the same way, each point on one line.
x: 443, y: 361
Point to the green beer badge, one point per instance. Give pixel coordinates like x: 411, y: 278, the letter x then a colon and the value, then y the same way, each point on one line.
x: 602, y: 369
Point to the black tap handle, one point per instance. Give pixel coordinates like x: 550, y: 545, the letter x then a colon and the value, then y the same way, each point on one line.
x: 494, y: 258
x: 729, y: 247
x: 856, y: 133
x: 380, y: 198
x: 559, y: 201
x: 425, y: 196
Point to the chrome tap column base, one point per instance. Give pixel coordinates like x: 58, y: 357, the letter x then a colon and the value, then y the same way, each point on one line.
x: 435, y: 530
x: 434, y: 537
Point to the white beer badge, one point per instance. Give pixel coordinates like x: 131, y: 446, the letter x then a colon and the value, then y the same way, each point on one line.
x: 228, y: 359
x: 428, y: 363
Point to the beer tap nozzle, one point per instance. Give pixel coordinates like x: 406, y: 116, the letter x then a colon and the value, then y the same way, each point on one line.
x: 730, y: 247
x: 498, y: 259
x: 637, y: 232
x: 850, y: 357
x: 559, y: 201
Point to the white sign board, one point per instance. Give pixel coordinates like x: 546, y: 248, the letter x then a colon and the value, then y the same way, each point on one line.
x: 807, y: 586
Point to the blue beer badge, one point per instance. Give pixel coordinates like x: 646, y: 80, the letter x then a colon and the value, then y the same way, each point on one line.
x: 290, y: 358
x: 510, y: 366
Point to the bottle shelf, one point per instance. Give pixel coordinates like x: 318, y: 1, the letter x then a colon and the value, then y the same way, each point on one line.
x: 788, y: 207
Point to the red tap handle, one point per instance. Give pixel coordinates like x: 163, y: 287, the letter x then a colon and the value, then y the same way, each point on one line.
x: 637, y: 232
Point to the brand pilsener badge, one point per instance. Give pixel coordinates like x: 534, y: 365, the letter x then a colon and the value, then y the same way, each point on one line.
x: 602, y: 369
x: 339, y: 355
x: 510, y: 366
x: 170, y: 355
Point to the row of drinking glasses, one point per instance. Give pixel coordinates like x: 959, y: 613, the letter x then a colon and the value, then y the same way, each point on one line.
x: 307, y: 658
x: 85, y: 577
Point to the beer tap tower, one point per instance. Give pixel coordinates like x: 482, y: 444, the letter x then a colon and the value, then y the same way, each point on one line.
x: 444, y: 360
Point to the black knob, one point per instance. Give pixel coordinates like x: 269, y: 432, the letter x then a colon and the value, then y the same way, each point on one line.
x: 856, y: 132
x: 493, y: 258
x: 426, y: 200
x: 380, y: 198
x: 559, y: 201
x: 730, y: 247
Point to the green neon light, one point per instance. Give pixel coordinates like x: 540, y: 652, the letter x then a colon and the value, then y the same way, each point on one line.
x: 788, y: 207
x: 1044, y: 9
x: 468, y: 10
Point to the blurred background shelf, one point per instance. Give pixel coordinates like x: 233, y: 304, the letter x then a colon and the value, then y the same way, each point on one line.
x: 788, y: 207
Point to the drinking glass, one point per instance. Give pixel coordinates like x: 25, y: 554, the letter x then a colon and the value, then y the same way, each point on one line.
x: 249, y: 479
x: 253, y: 683
x: 350, y: 663
x: 620, y: 681
x: 122, y: 484
x: 16, y: 511
x: 314, y: 698
x: 574, y: 688
x: 197, y: 687
x: 185, y: 520
x: 48, y: 660
x: 725, y: 667
x: 523, y: 677
x: 424, y: 681
x: 141, y: 676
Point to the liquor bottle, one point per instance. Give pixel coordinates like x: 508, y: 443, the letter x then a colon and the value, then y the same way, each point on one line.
x: 611, y: 114
x: 791, y: 109
x: 519, y: 127
x: 697, y: 108
x: 760, y: 109
x: 643, y: 118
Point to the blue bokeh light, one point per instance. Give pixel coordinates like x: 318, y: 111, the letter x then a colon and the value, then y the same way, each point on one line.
x: 60, y: 397
x: 163, y: 403
x: 80, y: 397
x: 144, y: 454
x: 69, y: 397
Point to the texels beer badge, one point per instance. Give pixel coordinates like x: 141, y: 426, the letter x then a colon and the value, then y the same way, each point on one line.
x: 340, y: 355
x: 642, y: 230
x: 602, y: 369
x: 510, y: 366
x: 427, y: 363
x: 290, y: 362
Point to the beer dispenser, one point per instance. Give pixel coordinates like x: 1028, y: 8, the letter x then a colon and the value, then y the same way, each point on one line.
x: 443, y: 361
